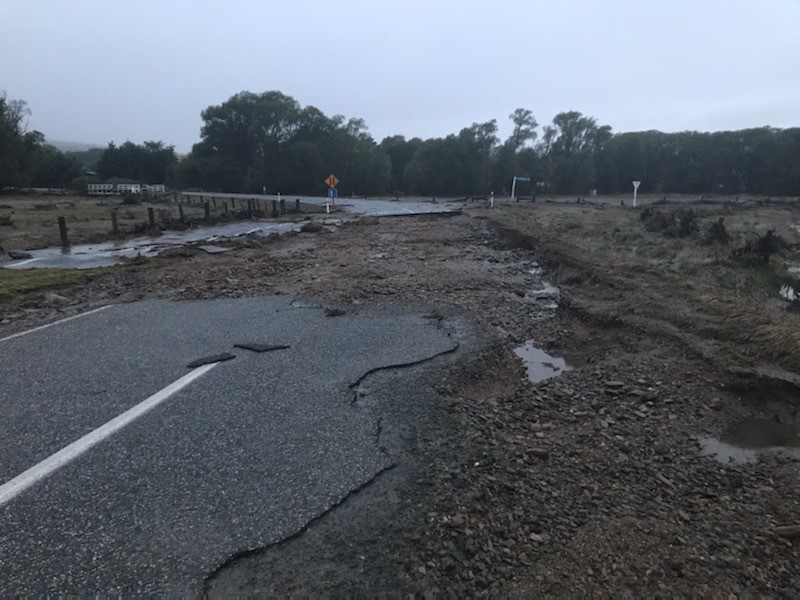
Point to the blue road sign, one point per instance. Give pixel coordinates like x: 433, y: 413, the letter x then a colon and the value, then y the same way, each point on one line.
x: 522, y: 178
x: 332, y: 193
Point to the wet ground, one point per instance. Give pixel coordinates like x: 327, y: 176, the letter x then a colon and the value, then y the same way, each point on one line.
x: 360, y: 206
x: 106, y: 254
x: 87, y: 256
x: 587, y: 483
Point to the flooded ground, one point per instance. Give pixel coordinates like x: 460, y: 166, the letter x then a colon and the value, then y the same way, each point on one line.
x: 741, y: 442
x: 539, y: 364
x: 106, y: 254
x: 359, y: 206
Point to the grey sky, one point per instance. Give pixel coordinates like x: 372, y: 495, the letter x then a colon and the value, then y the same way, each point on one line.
x: 111, y: 70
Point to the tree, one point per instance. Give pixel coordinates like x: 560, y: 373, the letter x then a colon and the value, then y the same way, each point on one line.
x: 256, y: 141
x: 16, y: 144
x: 151, y: 162
x: 508, y: 156
x: 400, y: 151
x: 25, y: 159
x: 570, y: 146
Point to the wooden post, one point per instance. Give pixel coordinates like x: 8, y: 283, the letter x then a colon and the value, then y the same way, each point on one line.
x: 297, y: 205
x: 114, y: 223
x: 225, y: 207
x: 283, y: 206
x: 151, y: 215
x: 250, y: 208
x: 214, y: 202
x: 62, y: 228
x: 180, y: 213
x: 208, y: 210
x: 274, y: 208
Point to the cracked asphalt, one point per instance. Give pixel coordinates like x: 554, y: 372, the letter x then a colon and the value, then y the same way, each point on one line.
x: 240, y: 459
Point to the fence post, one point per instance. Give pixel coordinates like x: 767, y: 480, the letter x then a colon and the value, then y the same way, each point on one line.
x: 274, y: 208
x: 208, y: 210
x: 62, y: 228
x: 283, y: 206
x: 114, y: 223
x: 151, y: 216
x: 297, y: 205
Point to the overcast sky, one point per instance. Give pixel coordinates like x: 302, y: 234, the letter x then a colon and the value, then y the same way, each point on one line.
x: 112, y: 70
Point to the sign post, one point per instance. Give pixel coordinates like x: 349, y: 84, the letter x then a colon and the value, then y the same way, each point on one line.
x: 636, y: 185
x: 514, y: 184
x: 331, y: 181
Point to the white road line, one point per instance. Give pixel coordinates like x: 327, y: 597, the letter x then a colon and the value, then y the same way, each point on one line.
x: 36, y: 473
x: 21, y: 333
x: 24, y: 262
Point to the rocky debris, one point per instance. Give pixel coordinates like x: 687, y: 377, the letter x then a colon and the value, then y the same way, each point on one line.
x: 311, y: 227
x: 789, y: 532
x: 331, y: 311
x: 214, y: 249
x: 18, y: 254
x: 53, y: 299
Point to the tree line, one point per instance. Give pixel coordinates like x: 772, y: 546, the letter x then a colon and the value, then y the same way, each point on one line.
x: 255, y: 142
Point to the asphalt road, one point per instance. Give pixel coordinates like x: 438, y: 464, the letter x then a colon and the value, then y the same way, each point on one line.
x: 240, y: 458
x: 360, y: 206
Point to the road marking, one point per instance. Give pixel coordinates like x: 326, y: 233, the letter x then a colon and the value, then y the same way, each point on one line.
x: 21, y: 333
x: 36, y: 473
x: 24, y: 262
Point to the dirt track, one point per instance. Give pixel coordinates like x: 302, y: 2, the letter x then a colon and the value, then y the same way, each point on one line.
x: 589, y: 483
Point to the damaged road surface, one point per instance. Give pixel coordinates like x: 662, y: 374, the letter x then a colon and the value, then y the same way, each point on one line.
x: 242, y: 457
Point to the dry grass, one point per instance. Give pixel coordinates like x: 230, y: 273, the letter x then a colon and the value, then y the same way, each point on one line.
x: 35, y: 219
x: 14, y: 282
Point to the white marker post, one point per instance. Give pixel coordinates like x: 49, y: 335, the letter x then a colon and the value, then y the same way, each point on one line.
x: 636, y: 185
x: 491, y: 200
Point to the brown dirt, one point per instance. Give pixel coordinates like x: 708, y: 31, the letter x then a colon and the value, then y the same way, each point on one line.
x: 590, y: 483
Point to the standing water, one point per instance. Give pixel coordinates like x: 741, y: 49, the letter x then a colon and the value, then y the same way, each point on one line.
x: 539, y: 364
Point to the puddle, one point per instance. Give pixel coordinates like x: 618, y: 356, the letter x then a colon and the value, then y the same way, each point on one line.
x: 539, y: 364
x: 726, y: 453
x: 742, y: 440
x: 762, y: 433
x: 106, y: 254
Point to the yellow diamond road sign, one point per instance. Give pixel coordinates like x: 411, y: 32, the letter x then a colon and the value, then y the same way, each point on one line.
x: 331, y: 181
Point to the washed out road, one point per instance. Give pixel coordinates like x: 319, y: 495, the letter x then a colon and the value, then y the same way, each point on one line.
x: 242, y: 456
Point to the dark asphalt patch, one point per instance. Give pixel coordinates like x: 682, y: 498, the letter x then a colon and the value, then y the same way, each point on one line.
x: 207, y: 360
x: 262, y: 347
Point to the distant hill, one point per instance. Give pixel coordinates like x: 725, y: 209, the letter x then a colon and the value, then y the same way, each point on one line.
x: 73, y: 146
